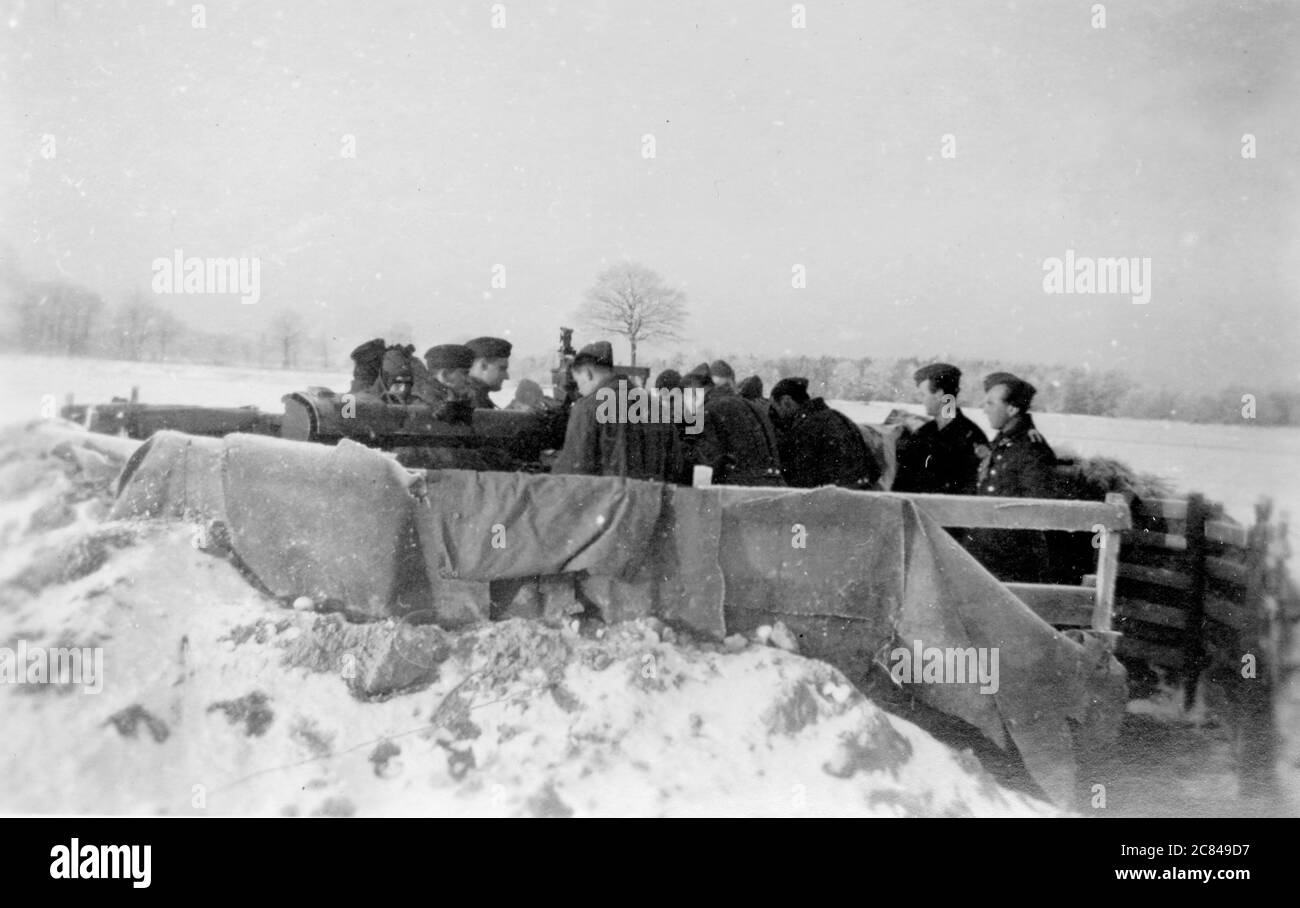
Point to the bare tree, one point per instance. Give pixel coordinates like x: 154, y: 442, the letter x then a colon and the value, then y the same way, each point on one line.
x: 631, y: 300
x: 56, y: 317
x: 288, y: 330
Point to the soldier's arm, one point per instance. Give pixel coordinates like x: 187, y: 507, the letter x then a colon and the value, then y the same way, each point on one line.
x: 676, y: 465
x: 839, y: 457
x: 581, y: 452
x: 975, y: 448
x: 706, y: 448
x: 1037, y: 474
x: 910, y: 452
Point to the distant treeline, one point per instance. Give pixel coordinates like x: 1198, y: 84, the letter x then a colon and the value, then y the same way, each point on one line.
x: 1061, y: 389
x: 63, y: 319
x: 59, y: 318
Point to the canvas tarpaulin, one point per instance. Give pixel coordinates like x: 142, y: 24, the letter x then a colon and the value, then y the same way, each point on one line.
x: 853, y: 574
x: 859, y: 576
x: 349, y: 524
x: 331, y: 523
x: 503, y: 526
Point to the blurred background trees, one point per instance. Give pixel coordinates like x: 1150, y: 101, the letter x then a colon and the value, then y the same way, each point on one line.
x: 60, y: 318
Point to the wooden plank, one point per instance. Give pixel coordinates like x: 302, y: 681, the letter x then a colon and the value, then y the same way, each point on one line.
x: 1023, y: 513
x: 1167, y: 508
x: 1167, y: 656
x: 1174, y: 542
x: 1233, y: 534
x: 1227, y: 570
x: 1069, y: 606
x: 1152, y: 613
x: 1157, y: 576
x: 1107, y: 573
x: 1194, y: 644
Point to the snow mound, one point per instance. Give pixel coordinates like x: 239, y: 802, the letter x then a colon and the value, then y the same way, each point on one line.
x: 216, y: 699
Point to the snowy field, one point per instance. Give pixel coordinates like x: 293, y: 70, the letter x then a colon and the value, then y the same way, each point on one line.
x: 1234, y: 464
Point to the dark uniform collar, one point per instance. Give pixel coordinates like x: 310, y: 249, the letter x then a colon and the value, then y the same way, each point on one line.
x: 812, y: 405
x: 1016, y: 426
x: 958, y: 422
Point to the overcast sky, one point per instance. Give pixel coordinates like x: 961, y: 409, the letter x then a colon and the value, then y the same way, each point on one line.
x: 821, y: 146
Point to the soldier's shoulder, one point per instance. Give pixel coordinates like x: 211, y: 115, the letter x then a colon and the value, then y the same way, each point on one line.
x: 971, y: 430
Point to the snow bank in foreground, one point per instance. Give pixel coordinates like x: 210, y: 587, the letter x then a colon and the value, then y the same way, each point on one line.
x: 218, y: 700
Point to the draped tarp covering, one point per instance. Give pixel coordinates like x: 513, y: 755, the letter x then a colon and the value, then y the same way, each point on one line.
x: 172, y: 475
x: 858, y: 576
x: 332, y: 523
x: 342, y: 529
x: 855, y: 575
x: 502, y: 526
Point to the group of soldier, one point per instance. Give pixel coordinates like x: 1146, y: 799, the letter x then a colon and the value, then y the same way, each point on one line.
x: 454, y: 379
x: 795, y: 439
x: 743, y: 438
x: 791, y: 438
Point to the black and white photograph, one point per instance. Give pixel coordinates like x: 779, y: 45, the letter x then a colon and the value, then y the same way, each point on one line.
x: 621, y: 409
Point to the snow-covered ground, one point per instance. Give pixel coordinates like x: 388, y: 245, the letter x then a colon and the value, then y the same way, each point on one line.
x: 210, y: 698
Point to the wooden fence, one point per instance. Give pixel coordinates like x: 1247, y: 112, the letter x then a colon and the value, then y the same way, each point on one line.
x: 1178, y: 586
x: 1090, y: 604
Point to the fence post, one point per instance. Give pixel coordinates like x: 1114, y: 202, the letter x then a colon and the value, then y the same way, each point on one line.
x: 1194, y: 631
x: 1103, y: 612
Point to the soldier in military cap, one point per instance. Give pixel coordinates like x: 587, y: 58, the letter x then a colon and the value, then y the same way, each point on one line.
x: 751, y: 389
x: 444, y: 387
x: 396, y: 380
x: 491, y: 367
x: 736, y: 439
x: 819, y: 446
x: 1020, y: 464
x: 667, y: 380
x: 366, y: 360
x: 597, y: 445
x: 943, y: 456
x: 722, y: 374
x: 530, y: 399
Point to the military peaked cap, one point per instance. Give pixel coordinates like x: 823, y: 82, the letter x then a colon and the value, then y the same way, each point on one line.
x: 699, y: 377
x: 448, y: 356
x: 600, y: 353
x: 791, y: 387
x: 372, y: 351
x: 490, y: 348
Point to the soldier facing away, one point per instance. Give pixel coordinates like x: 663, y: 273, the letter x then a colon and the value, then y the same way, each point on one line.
x: 530, y: 398
x: 366, y: 360
x: 943, y: 456
x: 722, y: 374
x: 598, y: 446
x: 736, y: 439
x: 819, y: 446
